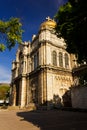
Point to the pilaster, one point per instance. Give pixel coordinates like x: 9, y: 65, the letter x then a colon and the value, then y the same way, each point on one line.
x: 23, y: 92
x: 14, y: 95
x: 42, y: 90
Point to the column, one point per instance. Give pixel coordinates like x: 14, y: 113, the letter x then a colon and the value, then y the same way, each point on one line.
x: 23, y: 92
x: 14, y: 95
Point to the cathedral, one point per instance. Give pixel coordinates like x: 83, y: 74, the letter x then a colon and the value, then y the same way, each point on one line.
x: 42, y: 69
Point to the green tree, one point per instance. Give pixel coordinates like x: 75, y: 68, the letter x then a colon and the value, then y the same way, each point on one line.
x: 71, y: 21
x: 10, y: 33
x: 4, y: 89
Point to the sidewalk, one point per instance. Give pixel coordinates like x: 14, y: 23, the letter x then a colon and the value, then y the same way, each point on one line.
x: 42, y: 120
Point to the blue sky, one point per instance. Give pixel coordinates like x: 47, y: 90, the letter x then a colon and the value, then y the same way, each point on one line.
x: 32, y: 13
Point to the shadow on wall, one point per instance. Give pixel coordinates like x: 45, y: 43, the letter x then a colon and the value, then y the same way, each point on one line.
x: 57, y: 102
x: 64, y: 102
x: 67, y: 99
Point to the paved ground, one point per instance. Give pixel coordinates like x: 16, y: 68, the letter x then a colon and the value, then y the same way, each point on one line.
x: 42, y: 120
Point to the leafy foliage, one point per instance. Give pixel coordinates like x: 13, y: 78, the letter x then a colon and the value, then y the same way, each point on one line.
x: 4, y: 92
x: 72, y: 26
x: 10, y: 33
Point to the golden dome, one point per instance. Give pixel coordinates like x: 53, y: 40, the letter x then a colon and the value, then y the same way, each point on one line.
x: 48, y: 23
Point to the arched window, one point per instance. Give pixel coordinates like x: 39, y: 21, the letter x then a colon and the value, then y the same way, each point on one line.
x: 54, y: 58
x: 37, y: 58
x: 66, y: 60
x: 60, y: 59
x: 21, y: 62
x: 35, y: 61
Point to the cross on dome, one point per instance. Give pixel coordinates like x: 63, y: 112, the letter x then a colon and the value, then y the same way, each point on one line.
x: 48, y: 18
x: 48, y: 23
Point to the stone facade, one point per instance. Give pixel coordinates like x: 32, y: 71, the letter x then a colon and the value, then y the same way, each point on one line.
x: 42, y: 71
x: 79, y: 97
x: 78, y: 91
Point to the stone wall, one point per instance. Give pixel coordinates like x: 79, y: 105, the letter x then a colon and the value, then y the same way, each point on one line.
x: 79, y: 97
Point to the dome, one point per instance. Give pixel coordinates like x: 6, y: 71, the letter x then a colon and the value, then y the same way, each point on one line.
x: 48, y: 23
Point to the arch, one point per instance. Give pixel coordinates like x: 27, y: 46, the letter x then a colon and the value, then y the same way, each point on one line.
x: 66, y: 60
x: 60, y: 59
x: 54, y: 58
x: 35, y: 61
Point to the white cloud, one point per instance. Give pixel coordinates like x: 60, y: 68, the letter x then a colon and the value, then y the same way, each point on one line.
x: 5, y: 74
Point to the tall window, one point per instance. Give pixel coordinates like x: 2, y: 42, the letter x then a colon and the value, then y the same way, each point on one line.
x: 54, y: 58
x: 66, y: 60
x: 32, y: 65
x: 35, y: 61
x: 21, y: 62
x: 60, y: 59
x: 37, y: 58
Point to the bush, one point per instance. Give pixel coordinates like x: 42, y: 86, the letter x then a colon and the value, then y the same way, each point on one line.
x: 4, y: 92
